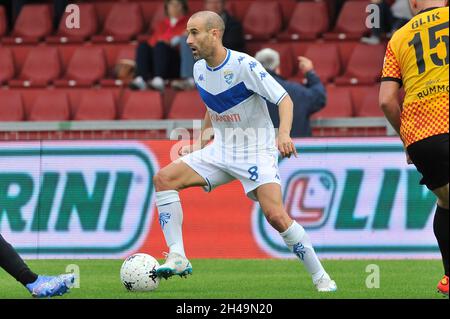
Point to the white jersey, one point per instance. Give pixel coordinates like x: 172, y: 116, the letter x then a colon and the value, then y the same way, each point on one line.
x: 235, y: 94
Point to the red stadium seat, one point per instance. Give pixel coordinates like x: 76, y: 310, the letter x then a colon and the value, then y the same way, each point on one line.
x: 309, y: 20
x: 11, y: 106
x: 41, y: 67
x: 50, y: 106
x: 299, y: 49
x: 88, y: 26
x: 158, y: 14
x: 149, y: 9
x: 158, y: 17
x: 126, y: 52
x: 124, y: 22
x: 142, y: 105
x: 195, y: 6
x: 86, y: 67
x: 240, y: 8
x: 370, y: 106
x: 66, y: 53
x: 29, y: 96
x: 76, y: 94
x: 345, y: 51
x: 6, y: 65
x: 364, y: 65
x: 286, y: 57
x: 325, y: 57
x: 339, y: 104
x: 187, y: 105
x: 262, y: 21
x: 358, y: 94
x: 351, y: 23
x: 96, y: 105
x: 251, y: 47
x: 287, y: 9
x: 103, y: 8
x: 33, y: 24
x: 3, y: 22
x: 331, y: 8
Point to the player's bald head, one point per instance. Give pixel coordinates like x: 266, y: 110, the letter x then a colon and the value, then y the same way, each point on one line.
x: 209, y: 20
x: 205, y: 32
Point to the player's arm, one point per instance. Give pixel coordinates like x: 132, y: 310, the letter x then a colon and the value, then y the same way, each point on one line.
x: 261, y: 82
x: 206, y: 134
x: 391, y: 81
x: 390, y: 104
x: 286, y: 113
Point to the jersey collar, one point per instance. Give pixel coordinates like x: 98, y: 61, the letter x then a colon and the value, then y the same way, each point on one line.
x: 222, y: 64
x: 428, y: 9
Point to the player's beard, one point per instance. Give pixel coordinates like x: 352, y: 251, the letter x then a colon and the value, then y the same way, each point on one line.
x: 197, y: 53
x: 208, y: 53
x: 205, y: 49
x: 204, y: 54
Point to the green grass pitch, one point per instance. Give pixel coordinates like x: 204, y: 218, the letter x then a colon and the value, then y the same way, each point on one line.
x: 247, y: 279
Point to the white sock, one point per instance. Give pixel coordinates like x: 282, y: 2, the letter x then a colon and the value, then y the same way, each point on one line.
x: 300, y: 244
x: 171, y: 220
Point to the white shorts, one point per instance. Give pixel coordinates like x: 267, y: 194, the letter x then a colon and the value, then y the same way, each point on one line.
x: 252, y: 170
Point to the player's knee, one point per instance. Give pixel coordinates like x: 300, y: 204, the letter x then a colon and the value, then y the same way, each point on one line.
x: 442, y: 195
x: 163, y: 181
x: 277, y: 218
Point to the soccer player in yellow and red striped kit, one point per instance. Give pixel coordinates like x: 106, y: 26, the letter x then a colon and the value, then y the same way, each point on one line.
x: 417, y: 58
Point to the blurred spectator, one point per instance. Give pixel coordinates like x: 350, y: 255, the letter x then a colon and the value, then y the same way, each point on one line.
x: 401, y: 14
x: 307, y: 99
x: 8, y: 10
x: 391, y: 19
x: 233, y: 39
x: 59, y: 7
x: 160, y: 56
x: 13, y: 8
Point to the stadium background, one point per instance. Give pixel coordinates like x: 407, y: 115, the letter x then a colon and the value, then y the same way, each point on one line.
x: 350, y: 187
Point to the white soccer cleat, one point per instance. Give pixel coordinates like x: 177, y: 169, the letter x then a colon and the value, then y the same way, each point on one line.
x: 325, y: 284
x: 175, y: 265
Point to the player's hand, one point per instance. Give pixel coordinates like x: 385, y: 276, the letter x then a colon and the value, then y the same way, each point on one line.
x: 286, y: 146
x: 187, y: 149
x: 304, y: 64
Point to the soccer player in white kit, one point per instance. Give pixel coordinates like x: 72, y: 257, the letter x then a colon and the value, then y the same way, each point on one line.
x: 234, y: 87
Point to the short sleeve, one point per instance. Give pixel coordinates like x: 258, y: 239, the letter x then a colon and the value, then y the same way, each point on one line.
x: 258, y: 80
x: 391, y: 67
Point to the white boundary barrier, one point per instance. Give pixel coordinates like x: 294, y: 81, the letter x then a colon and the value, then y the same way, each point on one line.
x: 170, y: 125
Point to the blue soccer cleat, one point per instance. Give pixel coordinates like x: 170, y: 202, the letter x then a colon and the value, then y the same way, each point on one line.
x: 46, y: 286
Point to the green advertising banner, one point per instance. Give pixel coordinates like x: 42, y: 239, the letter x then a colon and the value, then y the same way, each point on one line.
x: 356, y: 199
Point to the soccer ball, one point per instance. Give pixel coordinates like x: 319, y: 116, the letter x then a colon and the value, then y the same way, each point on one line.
x: 138, y: 273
